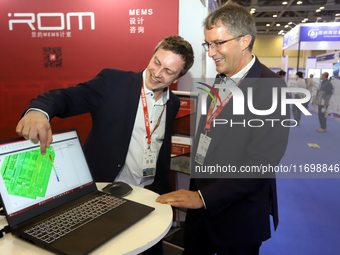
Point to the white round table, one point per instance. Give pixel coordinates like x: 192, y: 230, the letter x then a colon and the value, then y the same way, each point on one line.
x: 134, y: 240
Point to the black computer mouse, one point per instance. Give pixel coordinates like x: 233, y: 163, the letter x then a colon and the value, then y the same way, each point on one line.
x: 118, y: 189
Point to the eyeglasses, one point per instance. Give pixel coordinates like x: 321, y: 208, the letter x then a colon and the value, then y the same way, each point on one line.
x: 217, y: 45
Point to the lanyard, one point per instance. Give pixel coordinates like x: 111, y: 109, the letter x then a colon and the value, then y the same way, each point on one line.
x: 212, y: 116
x: 146, y: 117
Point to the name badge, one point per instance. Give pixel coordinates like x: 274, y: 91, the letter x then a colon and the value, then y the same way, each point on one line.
x: 149, y: 162
x: 202, y: 148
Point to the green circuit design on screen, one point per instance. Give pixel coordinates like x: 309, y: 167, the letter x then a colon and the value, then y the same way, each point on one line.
x: 27, y: 174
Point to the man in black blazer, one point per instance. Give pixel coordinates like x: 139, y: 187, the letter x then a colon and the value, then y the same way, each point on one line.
x: 229, y: 212
x: 124, y: 106
x: 113, y: 98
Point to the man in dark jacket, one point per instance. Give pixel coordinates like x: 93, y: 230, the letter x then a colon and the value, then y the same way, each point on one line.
x: 322, y: 100
x: 229, y: 211
x: 132, y: 116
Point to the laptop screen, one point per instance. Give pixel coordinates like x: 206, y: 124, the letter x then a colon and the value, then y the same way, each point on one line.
x: 29, y: 180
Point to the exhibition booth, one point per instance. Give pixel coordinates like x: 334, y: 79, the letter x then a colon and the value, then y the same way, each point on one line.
x: 312, y: 36
x: 48, y: 46
x: 317, y: 36
x: 333, y: 58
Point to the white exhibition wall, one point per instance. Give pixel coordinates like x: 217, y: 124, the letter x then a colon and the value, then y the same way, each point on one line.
x: 329, y: 62
x: 190, y: 27
x: 191, y: 15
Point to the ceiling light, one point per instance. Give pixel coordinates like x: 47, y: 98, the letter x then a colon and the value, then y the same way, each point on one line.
x: 299, y: 2
x: 278, y: 24
x: 284, y: 3
x: 338, y: 14
x: 322, y: 7
x: 304, y: 21
x: 274, y: 16
x: 268, y: 25
x: 252, y: 12
x: 318, y: 10
x: 253, y: 9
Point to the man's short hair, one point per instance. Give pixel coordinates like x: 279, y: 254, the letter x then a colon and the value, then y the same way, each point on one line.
x: 326, y: 74
x: 300, y: 74
x: 281, y: 73
x: 179, y: 46
x: 236, y: 19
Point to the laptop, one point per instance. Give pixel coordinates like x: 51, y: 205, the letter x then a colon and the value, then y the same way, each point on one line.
x: 52, y: 201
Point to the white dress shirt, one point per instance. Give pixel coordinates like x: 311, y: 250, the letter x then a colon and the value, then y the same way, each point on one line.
x: 223, y: 93
x: 132, y: 171
x: 300, y: 83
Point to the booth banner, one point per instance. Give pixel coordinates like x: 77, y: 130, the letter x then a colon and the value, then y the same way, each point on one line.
x: 284, y: 65
x: 180, y: 151
x: 77, y: 35
x: 308, y: 37
x: 319, y: 33
x: 291, y: 38
x: 333, y: 57
x: 336, y: 69
x: 310, y: 66
x: 333, y: 110
x: 47, y: 45
x: 326, y: 57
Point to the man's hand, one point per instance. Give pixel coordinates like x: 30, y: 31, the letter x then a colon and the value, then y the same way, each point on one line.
x: 34, y: 126
x: 182, y: 198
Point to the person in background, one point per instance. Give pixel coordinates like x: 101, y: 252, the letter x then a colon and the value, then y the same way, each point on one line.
x: 322, y: 100
x: 310, y: 84
x: 300, y: 83
x: 282, y: 74
x: 132, y: 116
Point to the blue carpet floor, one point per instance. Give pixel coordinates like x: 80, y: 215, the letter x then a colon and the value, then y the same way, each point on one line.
x: 309, y: 208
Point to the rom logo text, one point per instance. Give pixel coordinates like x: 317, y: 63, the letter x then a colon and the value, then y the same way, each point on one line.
x: 31, y: 18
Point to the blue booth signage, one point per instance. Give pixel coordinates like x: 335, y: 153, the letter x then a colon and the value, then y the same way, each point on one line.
x: 319, y: 33
x: 325, y: 57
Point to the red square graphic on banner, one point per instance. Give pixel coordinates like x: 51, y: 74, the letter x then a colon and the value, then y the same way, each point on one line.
x: 52, y: 57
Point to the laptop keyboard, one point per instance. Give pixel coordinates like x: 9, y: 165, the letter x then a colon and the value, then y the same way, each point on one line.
x: 68, y: 221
